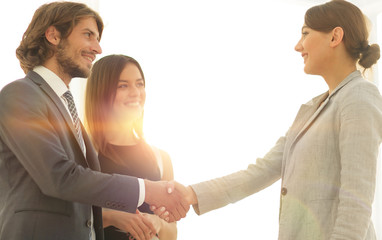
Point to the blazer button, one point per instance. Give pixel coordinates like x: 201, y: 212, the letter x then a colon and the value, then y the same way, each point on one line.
x: 89, y: 223
x: 284, y: 191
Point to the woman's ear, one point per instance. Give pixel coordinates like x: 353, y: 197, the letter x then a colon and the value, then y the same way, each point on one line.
x: 52, y: 35
x: 337, y: 36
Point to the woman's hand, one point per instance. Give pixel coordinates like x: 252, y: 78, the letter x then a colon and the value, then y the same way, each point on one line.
x: 165, y: 230
x: 156, y: 221
x: 139, y: 226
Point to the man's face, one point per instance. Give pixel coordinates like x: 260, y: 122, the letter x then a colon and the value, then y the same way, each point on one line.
x: 76, y: 54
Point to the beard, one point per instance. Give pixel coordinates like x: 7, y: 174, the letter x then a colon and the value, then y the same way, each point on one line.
x: 67, y: 64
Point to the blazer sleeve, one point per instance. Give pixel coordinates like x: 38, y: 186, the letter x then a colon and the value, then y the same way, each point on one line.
x: 359, y: 139
x: 34, y: 131
x: 219, y: 192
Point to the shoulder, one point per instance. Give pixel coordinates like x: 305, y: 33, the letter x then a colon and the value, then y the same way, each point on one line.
x: 359, y: 99
x: 165, y: 156
x: 20, y: 90
x: 16, y: 85
x: 31, y: 80
x: 166, y: 159
x: 164, y: 163
x: 160, y: 153
x: 359, y: 87
x: 20, y: 96
x: 358, y: 92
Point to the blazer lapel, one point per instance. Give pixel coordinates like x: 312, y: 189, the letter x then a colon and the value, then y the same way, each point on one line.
x: 91, y: 154
x: 309, y: 112
x: 57, y: 101
x: 306, y: 115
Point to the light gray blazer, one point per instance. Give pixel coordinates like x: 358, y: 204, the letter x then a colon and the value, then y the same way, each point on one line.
x: 327, y: 163
x: 48, y: 186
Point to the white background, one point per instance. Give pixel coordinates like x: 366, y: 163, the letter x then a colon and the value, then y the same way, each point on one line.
x: 223, y: 84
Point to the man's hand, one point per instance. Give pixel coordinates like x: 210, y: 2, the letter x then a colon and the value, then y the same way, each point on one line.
x: 175, y: 202
x: 172, y: 186
x: 187, y: 192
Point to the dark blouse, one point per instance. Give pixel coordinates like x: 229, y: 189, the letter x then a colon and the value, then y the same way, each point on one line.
x: 137, y: 160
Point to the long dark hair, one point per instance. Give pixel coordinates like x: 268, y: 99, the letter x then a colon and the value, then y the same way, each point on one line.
x: 101, y: 89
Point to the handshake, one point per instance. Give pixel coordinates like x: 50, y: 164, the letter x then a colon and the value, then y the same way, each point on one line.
x: 169, y: 200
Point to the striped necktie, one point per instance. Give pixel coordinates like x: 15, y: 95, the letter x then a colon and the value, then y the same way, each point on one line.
x: 73, y: 111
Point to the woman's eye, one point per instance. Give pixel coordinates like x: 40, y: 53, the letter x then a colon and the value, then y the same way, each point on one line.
x: 122, y: 86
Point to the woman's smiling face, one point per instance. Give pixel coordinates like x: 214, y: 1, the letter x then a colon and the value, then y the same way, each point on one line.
x: 314, y: 48
x: 130, y: 96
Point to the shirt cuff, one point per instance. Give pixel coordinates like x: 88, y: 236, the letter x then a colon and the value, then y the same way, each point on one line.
x: 142, y: 192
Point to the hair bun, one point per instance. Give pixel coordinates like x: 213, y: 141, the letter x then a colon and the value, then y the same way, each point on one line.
x: 369, y: 55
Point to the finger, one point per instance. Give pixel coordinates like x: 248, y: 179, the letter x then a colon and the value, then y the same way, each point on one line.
x: 143, y: 231
x: 147, y: 234
x: 182, y: 203
x: 185, y: 207
x: 137, y: 231
x: 147, y: 227
x: 164, y: 214
x: 170, y: 218
x: 133, y: 234
x: 175, y: 214
x: 151, y: 229
x: 178, y: 211
x: 160, y: 212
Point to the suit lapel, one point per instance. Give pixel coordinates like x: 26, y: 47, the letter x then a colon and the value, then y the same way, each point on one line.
x: 91, y: 154
x: 56, y: 101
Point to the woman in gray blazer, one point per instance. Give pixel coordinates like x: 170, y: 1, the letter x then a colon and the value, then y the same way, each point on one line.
x: 327, y: 159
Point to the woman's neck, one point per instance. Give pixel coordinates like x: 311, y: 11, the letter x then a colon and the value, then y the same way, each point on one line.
x: 340, y: 66
x: 337, y: 75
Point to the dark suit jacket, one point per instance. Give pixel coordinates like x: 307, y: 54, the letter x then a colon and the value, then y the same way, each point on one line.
x: 48, y: 186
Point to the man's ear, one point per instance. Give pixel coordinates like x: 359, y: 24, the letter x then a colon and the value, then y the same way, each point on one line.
x: 52, y: 35
x: 337, y: 36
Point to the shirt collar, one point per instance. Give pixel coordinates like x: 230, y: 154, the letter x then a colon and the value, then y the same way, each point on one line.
x: 52, y: 79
